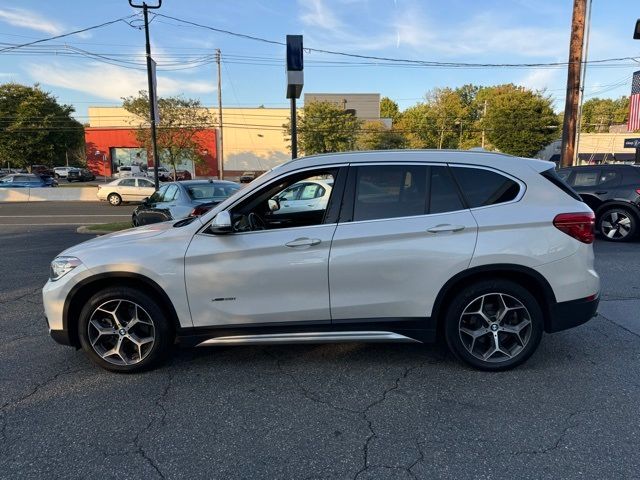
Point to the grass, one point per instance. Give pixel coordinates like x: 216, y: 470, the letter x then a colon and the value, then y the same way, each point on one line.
x: 109, y: 227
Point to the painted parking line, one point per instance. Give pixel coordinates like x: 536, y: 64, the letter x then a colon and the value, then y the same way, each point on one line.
x: 62, y: 216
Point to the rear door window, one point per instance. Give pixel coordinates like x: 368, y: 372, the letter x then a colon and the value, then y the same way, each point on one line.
x: 390, y: 191
x: 482, y: 187
x: 128, y: 182
x: 584, y: 178
x: 609, y: 178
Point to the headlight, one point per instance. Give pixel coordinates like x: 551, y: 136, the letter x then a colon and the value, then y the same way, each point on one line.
x: 61, y: 266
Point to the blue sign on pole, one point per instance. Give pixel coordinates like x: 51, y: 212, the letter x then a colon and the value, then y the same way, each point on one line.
x: 632, y: 143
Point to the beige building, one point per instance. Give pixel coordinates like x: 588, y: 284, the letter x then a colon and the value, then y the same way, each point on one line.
x: 595, y: 148
x: 253, y: 138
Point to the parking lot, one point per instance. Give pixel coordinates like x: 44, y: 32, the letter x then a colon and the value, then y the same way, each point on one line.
x: 317, y: 411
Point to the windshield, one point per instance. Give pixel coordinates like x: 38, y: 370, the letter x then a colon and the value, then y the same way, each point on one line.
x: 208, y: 191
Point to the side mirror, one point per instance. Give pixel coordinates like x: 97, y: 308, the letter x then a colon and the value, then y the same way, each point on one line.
x: 274, y: 204
x: 221, y: 223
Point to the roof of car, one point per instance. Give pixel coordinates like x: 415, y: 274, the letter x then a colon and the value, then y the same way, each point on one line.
x: 603, y: 165
x: 187, y: 183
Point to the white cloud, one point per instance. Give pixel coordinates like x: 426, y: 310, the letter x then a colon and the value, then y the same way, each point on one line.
x: 317, y: 14
x: 19, y: 17
x: 540, y: 79
x: 111, y: 82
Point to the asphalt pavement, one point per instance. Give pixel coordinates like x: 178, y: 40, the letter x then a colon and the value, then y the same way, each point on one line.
x: 28, y: 214
x: 364, y: 411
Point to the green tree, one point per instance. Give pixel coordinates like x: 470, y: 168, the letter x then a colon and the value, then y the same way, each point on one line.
x: 418, y: 126
x: 324, y: 127
x: 35, y: 128
x: 181, y: 121
x: 375, y: 135
x: 518, y: 121
x: 389, y: 109
x: 598, y: 114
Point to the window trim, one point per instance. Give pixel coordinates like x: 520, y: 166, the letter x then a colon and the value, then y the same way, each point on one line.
x: 518, y: 197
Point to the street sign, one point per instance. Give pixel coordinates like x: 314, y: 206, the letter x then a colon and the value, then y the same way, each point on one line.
x: 632, y: 143
x: 295, y: 66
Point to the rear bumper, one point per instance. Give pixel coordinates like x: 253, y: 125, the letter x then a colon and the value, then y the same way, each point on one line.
x: 564, y: 315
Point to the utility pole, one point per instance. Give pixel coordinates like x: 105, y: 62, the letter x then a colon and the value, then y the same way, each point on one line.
x: 221, y: 146
x: 570, y: 126
x: 583, y: 76
x: 151, y: 82
x: 484, y: 114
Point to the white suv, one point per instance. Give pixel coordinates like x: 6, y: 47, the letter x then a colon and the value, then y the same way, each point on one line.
x: 484, y: 250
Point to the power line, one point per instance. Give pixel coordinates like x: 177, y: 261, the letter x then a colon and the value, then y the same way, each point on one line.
x: 82, y: 30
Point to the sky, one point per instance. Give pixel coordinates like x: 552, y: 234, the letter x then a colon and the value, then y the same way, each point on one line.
x: 101, y: 66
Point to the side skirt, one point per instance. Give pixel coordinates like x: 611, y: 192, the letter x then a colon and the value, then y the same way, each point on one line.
x: 412, y: 330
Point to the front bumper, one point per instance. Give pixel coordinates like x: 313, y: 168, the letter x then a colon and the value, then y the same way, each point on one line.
x: 564, y: 315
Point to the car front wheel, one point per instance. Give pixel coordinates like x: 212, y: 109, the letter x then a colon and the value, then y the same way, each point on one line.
x: 123, y: 330
x: 114, y: 199
x: 494, y: 325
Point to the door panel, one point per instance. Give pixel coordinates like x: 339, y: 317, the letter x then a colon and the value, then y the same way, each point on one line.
x: 264, y: 276
x: 396, y: 267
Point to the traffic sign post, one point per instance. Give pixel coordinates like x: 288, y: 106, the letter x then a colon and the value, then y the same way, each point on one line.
x: 295, y: 82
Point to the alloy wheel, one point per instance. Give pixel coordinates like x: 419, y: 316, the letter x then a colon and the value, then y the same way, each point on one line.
x: 495, y: 327
x: 615, y: 225
x: 121, y: 332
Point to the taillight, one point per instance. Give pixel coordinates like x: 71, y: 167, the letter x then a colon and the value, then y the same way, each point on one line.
x: 638, y: 191
x: 577, y: 225
x: 200, y: 210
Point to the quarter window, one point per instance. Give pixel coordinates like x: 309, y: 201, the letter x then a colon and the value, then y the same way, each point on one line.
x: 483, y: 187
x: 390, y: 191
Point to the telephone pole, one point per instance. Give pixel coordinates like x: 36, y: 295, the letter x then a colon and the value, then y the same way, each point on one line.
x: 152, y: 93
x: 570, y: 125
x: 221, y: 146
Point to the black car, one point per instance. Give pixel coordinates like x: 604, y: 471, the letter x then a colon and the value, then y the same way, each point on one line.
x: 613, y: 192
x: 80, y: 175
x: 177, y: 200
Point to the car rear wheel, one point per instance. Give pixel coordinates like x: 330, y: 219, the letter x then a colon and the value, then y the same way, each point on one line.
x: 124, y: 330
x: 617, y: 225
x: 114, y: 199
x: 494, y: 325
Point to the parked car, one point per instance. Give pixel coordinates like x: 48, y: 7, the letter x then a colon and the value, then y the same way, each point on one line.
x: 80, y: 175
x: 125, y: 190
x: 304, y: 196
x: 26, y: 180
x: 42, y: 170
x: 484, y: 249
x: 247, y: 177
x: 61, y: 172
x: 128, y: 171
x: 613, y: 193
x: 177, y: 200
x: 163, y: 173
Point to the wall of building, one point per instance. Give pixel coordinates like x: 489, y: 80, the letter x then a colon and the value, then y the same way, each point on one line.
x: 101, y: 142
x: 366, y: 105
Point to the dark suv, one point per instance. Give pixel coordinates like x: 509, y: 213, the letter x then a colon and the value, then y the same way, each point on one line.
x: 613, y: 192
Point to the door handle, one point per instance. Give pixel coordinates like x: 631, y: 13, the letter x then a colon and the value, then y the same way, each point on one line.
x: 445, y: 228
x: 601, y: 192
x: 303, y: 242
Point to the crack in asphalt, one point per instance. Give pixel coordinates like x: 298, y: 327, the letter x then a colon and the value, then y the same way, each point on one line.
x: 20, y: 297
x: 140, y: 450
x: 618, y: 325
x: 556, y: 444
x: 607, y: 298
x: 363, y: 414
x: 4, y: 408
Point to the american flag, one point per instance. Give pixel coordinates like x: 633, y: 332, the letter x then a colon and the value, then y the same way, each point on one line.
x: 634, y: 104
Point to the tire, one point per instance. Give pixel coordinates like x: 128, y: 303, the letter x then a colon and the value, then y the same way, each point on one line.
x: 114, y: 199
x: 617, y: 224
x: 496, y: 298
x: 109, y: 339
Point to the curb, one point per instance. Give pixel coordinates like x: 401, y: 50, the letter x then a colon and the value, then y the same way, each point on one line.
x: 85, y: 230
